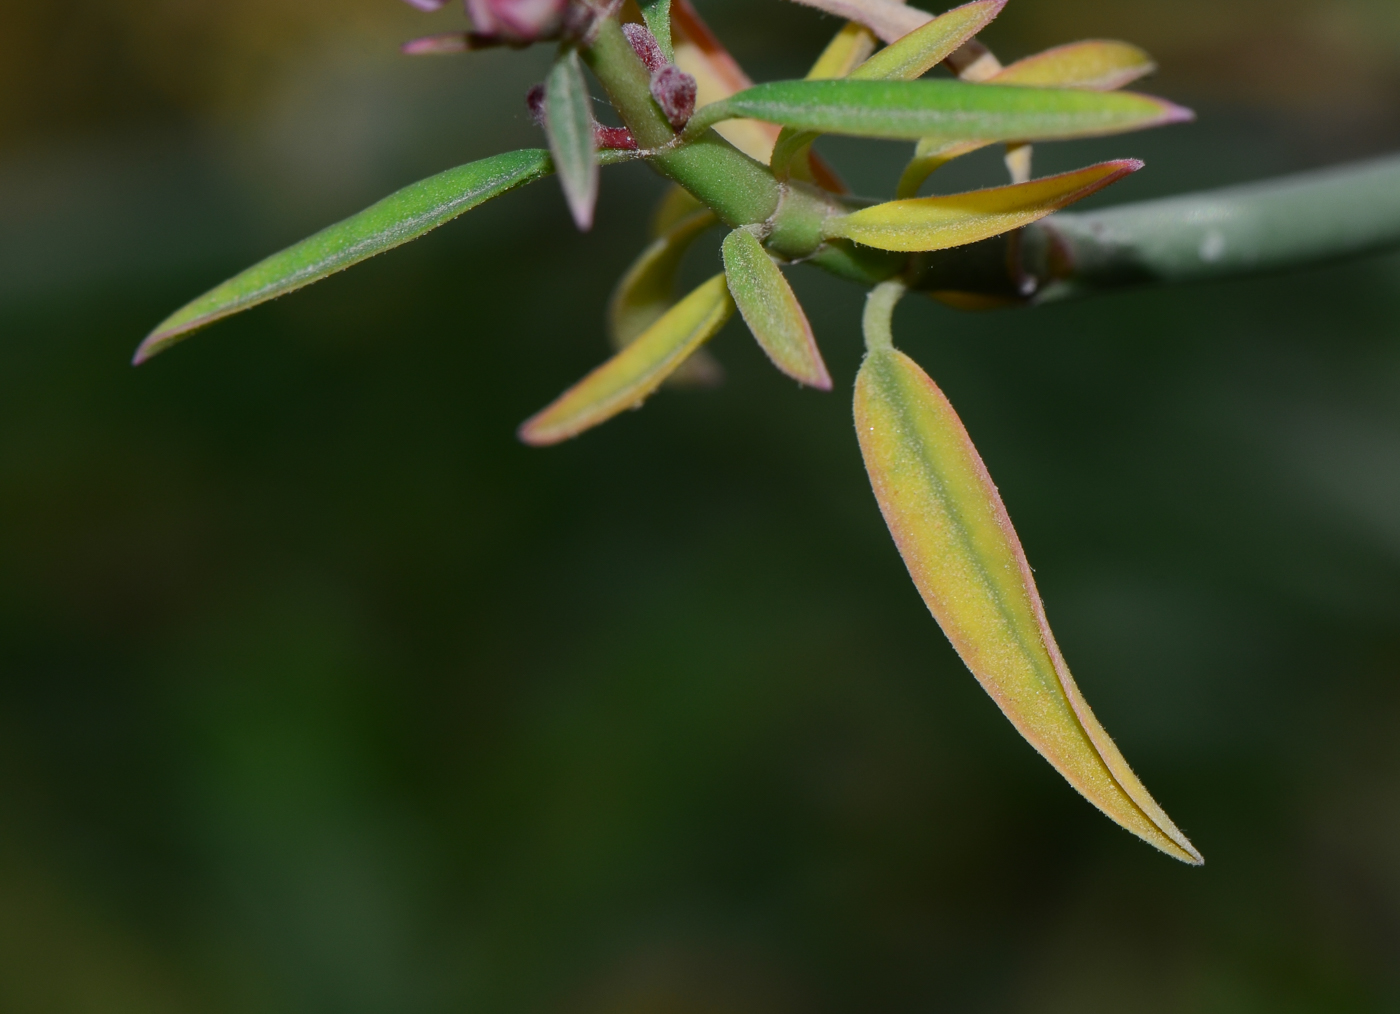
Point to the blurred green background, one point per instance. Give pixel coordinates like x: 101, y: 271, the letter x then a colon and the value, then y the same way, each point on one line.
x: 319, y: 693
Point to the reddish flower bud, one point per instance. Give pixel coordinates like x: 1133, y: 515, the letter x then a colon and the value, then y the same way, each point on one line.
x: 534, y: 101
x: 646, y: 47
x: 674, y: 91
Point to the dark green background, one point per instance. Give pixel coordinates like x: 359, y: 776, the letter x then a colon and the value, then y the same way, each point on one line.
x: 318, y: 692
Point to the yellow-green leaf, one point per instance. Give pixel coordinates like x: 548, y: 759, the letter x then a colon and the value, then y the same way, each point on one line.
x: 952, y: 530
x: 675, y: 204
x: 626, y: 379
x: 648, y: 288
x: 1094, y: 65
x: 772, y: 311
x: 937, y: 223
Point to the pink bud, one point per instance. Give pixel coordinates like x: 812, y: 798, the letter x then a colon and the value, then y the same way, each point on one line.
x: 517, y: 20
x: 674, y: 91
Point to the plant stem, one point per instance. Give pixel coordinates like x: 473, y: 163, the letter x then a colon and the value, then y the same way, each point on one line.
x: 740, y: 190
x: 1277, y: 225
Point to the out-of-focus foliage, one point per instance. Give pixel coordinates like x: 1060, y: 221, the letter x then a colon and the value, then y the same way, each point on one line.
x: 318, y: 693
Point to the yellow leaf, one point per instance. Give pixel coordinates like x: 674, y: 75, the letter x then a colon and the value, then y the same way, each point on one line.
x: 844, y: 53
x: 954, y: 534
x: 937, y: 223
x: 626, y: 379
x: 1095, y: 65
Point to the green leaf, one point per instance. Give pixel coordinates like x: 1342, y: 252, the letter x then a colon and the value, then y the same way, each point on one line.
x: 657, y: 14
x: 771, y: 310
x: 569, y: 125
x: 938, y: 223
x: 909, y: 58
x: 911, y: 110
x: 648, y: 288
x: 626, y: 379
x: 952, y: 530
x: 397, y: 219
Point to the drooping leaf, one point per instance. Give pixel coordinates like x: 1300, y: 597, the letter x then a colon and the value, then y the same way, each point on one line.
x: 648, y: 288
x: 1092, y: 66
x: 909, y: 58
x: 938, y: 223
x: 771, y: 310
x: 844, y: 53
x: 952, y: 530
x: 657, y: 14
x: 950, y: 109
x: 1095, y: 65
x: 569, y: 125
x: 626, y: 379
x: 397, y: 219
x: 886, y: 18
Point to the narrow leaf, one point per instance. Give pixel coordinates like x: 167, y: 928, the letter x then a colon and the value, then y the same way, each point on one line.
x: 937, y: 223
x: 397, y: 219
x: 1095, y: 65
x: 626, y: 379
x: 952, y: 530
x: 648, y: 288
x: 929, y: 45
x: 844, y: 53
x: 949, y: 109
x: 569, y: 125
x: 657, y: 14
x: 886, y: 18
x: 772, y: 311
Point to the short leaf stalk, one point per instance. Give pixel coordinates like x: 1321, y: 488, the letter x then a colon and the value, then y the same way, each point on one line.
x: 742, y: 156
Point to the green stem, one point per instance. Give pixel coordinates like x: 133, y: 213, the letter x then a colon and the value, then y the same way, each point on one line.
x: 740, y: 190
x: 1277, y: 225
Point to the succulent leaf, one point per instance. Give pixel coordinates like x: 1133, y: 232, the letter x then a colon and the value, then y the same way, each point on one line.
x: 938, y: 223
x: 397, y: 219
x: 910, y: 110
x: 647, y: 290
x: 952, y: 530
x: 771, y: 310
x: 626, y: 379
x: 569, y: 126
